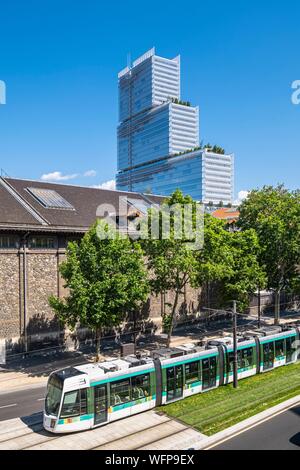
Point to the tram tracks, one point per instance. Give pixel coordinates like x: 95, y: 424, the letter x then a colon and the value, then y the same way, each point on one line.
x: 136, y: 432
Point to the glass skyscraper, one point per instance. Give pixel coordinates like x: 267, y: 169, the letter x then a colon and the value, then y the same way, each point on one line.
x: 157, y: 133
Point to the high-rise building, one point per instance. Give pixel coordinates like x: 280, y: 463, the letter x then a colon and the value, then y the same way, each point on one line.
x: 158, y: 136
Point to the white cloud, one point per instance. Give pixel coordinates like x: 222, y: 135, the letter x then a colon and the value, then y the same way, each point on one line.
x: 58, y: 176
x: 90, y: 173
x: 242, y: 195
x: 111, y: 184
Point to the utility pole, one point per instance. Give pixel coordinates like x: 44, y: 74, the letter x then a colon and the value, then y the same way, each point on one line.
x: 235, y: 355
x: 258, y: 308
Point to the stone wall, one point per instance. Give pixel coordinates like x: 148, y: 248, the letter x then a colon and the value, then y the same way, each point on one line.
x: 9, y: 295
x: 43, y: 280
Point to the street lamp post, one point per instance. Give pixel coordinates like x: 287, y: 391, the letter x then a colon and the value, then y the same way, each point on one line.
x: 235, y: 353
x: 258, y: 308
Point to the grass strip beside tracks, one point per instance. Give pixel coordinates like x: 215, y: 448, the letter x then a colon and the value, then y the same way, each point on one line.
x: 218, y: 409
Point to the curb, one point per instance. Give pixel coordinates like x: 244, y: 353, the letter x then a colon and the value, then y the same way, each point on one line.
x: 207, y: 442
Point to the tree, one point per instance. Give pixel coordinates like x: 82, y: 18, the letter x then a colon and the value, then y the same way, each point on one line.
x: 230, y: 259
x: 245, y: 273
x: 106, y: 278
x: 215, y: 259
x: 171, y: 261
x: 274, y: 213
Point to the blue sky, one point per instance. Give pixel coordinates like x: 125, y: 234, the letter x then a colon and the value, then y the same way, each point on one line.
x: 60, y: 61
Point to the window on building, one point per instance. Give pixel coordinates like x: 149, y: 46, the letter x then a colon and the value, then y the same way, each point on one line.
x: 9, y: 241
x: 192, y: 372
x: 119, y: 392
x: 140, y: 386
x: 42, y: 242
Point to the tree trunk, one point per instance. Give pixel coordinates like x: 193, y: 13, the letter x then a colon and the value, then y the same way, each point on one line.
x: 172, y: 319
x: 98, y: 343
x: 277, y: 308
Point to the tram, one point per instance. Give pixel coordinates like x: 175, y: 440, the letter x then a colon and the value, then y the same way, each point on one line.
x: 91, y: 395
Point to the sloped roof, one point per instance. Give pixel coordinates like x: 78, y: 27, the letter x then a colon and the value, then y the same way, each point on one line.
x: 230, y: 214
x: 18, y: 206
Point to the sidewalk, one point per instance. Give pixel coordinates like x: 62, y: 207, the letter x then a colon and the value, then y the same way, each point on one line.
x: 145, y: 431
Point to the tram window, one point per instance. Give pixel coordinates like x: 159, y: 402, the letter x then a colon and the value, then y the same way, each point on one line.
x: 245, y: 358
x: 268, y: 355
x: 83, y: 401
x: 54, y: 392
x: 279, y: 348
x: 71, y: 404
x: 289, y: 349
x: 174, y: 382
x: 192, y: 372
x: 230, y: 361
x: 120, y: 392
x: 140, y: 386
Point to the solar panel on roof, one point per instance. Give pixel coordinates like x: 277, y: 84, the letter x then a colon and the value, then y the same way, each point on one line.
x: 140, y: 205
x: 50, y: 198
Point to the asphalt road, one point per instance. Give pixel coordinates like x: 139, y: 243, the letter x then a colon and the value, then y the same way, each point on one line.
x: 279, y: 433
x: 21, y: 403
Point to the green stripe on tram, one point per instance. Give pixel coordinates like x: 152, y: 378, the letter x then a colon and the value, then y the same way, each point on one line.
x: 277, y: 339
x: 183, y: 362
x: 121, y: 377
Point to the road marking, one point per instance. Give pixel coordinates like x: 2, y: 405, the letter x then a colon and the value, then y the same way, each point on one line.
x: 40, y: 399
x: 268, y: 418
x: 8, y: 406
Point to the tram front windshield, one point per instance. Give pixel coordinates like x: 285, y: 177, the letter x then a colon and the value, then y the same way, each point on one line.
x: 53, y: 398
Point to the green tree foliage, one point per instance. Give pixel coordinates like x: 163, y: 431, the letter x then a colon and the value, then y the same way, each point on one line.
x: 106, y: 279
x: 245, y: 273
x: 171, y: 261
x: 215, y: 149
x: 215, y: 260
x: 229, y: 258
x: 274, y: 213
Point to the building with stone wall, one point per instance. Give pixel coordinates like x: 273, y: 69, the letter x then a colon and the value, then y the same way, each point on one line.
x: 37, y: 220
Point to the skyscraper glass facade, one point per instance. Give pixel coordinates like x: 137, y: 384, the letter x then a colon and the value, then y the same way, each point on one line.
x: 155, y: 127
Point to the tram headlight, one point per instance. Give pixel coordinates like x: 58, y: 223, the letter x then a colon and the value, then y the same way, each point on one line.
x: 52, y: 423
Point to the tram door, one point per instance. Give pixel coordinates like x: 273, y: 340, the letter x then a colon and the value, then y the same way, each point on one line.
x: 209, y: 372
x: 174, y: 382
x: 100, y: 403
x: 289, y: 349
x: 268, y: 355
